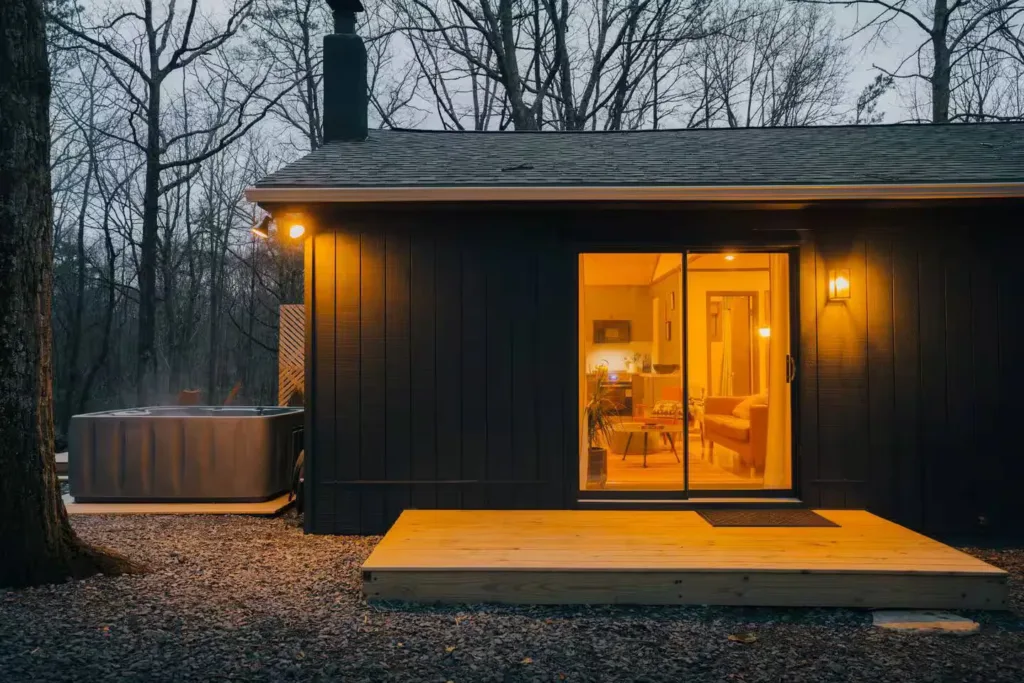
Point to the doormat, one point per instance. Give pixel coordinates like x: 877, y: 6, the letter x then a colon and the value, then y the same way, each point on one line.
x: 782, y: 517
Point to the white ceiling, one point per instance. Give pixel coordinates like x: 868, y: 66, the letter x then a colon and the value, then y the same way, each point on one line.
x: 642, y: 269
x: 618, y: 269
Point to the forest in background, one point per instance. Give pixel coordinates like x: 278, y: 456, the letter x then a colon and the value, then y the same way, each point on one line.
x: 163, y: 112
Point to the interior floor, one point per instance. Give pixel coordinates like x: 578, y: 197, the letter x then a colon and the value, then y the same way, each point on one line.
x: 718, y: 472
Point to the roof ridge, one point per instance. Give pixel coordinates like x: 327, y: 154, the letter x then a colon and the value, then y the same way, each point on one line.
x: 641, y: 131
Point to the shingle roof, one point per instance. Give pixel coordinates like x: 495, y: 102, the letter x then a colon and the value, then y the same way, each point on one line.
x: 839, y: 155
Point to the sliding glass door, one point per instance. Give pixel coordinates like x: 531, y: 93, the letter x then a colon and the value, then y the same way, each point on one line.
x: 685, y: 372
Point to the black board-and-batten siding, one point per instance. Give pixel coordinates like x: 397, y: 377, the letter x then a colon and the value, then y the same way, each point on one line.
x: 441, y: 356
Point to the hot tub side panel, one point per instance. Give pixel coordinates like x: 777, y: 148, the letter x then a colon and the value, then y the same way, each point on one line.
x: 181, y: 459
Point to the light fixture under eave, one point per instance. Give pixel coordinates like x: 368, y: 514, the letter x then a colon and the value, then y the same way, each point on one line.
x: 730, y: 257
x: 262, y: 229
x: 839, y: 284
x: 296, y: 230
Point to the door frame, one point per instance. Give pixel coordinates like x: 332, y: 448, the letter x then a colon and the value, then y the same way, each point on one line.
x: 645, y: 499
x: 755, y: 314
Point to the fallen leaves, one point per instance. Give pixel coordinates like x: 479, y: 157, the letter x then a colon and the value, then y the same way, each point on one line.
x: 449, y: 649
x: 745, y: 638
x: 526, y: 660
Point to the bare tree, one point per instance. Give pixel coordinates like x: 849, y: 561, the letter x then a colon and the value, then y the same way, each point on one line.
x: 777, y: 64
x: 989, y: 79
x: 142, y: 51
x: 550, y: 63
x: 949, y: 32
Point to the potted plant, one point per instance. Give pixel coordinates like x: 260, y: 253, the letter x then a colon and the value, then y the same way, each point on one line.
x: 599, y: 410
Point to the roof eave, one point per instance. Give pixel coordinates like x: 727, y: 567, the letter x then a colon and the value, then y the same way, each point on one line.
x: 707, y: 193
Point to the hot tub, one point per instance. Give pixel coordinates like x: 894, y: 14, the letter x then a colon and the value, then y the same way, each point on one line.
x: 183, y: 454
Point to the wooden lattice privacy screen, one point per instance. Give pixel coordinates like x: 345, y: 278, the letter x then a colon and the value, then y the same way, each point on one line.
x: 291, y: 351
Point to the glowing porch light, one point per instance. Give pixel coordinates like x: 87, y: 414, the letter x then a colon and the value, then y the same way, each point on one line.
x: 765, y: 332
x: 839, y: 284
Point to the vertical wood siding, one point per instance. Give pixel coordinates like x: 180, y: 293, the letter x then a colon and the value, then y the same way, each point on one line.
x: 436, y: 380
x: 905, y: 400
x: 442, y: 363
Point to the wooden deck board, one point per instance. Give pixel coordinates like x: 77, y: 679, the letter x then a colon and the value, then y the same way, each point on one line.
x: 264, y: 508
x: 646, y: 556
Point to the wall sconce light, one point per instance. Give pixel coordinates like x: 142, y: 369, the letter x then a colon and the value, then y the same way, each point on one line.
x: 262, y: 229
x: 765, y: 332
x: 839, y: 284
x: 296, y: 230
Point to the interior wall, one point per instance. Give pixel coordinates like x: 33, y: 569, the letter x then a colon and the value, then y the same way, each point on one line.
x: 616, y: 302
x: 669, y: 287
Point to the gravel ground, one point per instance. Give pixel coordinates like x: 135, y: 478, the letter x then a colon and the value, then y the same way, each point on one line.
x: 236, y: 598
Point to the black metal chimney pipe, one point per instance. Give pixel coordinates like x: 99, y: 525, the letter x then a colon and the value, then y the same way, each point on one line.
x: 345, y: 100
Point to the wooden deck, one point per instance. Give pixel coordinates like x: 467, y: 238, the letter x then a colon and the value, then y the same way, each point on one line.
x: 670, y: 557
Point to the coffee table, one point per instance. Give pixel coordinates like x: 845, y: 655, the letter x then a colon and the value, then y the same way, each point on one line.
x: 639, y: 428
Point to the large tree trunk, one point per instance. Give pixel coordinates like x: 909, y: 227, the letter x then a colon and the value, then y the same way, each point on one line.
x: 941, y: 68
x: 37, y: 544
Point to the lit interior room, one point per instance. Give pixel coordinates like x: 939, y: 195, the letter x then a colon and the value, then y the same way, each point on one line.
x: 718, y: 421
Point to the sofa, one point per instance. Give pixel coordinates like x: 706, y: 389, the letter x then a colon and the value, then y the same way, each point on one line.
x: 725, y: 425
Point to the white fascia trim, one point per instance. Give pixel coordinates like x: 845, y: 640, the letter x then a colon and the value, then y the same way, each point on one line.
x: 711, y: 193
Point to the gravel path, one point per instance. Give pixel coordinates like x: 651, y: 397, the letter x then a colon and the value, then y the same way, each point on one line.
x: 235, y: 598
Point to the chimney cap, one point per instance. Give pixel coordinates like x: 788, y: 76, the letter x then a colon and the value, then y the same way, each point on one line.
x: 345, y: 5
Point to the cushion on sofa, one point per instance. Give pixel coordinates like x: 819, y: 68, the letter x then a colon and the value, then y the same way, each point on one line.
x: 668, y: 409
x: 729, y: 426
x: 742, y: 410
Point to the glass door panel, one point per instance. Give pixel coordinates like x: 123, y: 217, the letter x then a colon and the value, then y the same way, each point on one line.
x: 739, y: 371
x: 633, y: 421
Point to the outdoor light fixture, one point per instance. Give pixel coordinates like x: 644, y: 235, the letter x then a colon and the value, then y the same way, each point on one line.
x: 765, y: 332
x: 262, y: 229
x: 730, y: 257
x: 296, y: 231
x: 839, y: 284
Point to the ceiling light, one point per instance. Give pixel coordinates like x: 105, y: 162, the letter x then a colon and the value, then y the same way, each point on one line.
x: 296, y: 231
x: 730, y: 257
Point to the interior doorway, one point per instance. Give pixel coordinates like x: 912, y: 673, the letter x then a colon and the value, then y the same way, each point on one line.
x: 733, y: 363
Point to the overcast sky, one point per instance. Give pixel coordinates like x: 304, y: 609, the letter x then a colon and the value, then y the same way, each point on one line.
x: 902, y: 41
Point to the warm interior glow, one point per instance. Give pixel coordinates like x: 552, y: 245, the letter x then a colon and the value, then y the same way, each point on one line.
x: 662, y: 400
x: 296, y: 231
x: 839, y: 284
